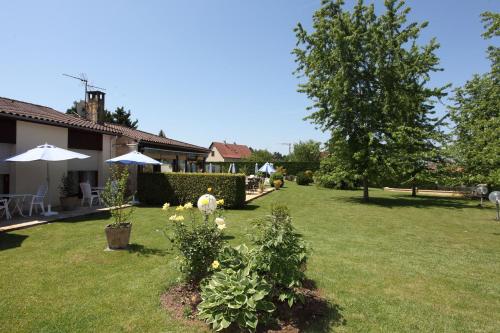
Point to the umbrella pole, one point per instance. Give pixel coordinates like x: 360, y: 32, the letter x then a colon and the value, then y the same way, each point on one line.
x: 49, y: 211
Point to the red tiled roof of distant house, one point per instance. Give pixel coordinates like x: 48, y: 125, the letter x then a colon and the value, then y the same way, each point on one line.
x: 235, y: 151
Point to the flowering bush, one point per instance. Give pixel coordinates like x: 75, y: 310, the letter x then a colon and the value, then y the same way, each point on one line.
x: 197, y: 236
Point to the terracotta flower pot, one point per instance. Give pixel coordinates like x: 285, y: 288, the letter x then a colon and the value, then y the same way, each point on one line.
x: 118, y: 236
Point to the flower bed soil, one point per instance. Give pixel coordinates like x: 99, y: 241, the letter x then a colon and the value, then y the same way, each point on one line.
x: 181, y: 302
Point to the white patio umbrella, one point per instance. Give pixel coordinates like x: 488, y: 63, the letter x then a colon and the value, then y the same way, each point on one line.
x: 209, y: 167
x: 256, y: 169
x: 232, y: 168
x: 267, y: 168
x: 47, y: 153
x: 134, y: 158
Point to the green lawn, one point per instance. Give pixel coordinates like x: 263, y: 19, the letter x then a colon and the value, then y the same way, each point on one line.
x: 397, y: 264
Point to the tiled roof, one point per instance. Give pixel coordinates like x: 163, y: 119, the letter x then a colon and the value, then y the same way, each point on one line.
x: 43, y: 114
x: 152, y: 138
x: 228, y: 150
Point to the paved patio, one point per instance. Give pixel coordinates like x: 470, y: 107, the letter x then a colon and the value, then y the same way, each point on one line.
x: 19, y: 222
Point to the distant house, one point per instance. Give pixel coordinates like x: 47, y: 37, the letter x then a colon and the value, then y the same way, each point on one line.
x: 227, y: 152
x: 26, y: 125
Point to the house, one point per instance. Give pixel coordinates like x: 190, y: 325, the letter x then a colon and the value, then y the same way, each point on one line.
x: 25, y: 125
x: 226, y: 152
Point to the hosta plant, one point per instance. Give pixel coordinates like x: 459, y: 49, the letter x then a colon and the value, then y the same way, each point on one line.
x: 235, y: 293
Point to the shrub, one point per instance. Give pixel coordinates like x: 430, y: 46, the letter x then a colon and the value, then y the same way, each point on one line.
x: 281, y: 254
x: 277, y: 184
x: 277, y: 176
x: 302, y: 179
x: 292, y: 168
x: 115, y: 196
x: 177, y: 188
x: 235, y: 293
x: 198, y: 242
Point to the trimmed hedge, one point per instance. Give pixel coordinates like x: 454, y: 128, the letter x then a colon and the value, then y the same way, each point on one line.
x: 180, y: 188
x: 303, y: 178
x: 248, y: 168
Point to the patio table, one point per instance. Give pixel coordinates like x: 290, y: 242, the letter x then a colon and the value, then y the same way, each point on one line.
x: 17, y: 200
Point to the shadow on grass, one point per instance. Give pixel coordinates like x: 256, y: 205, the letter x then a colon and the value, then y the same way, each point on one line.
x: 406, y: 201
x: 85, y: 218
x: 246, y: 207
x: 141, y: 250
x: 10, y: 241
x: 227, y: 237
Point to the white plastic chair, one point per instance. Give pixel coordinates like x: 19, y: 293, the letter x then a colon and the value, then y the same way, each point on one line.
x: 88, y: 194
x: 4, y: 208
x: 37, y: 199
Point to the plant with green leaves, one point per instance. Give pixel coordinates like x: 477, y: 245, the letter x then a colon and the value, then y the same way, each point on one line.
x: 281, y: 254
x: 235, y: 293
x: 476, y: 113
x: 306, y: 151
x: 115, y: 196
x: 367, y: 78
x: 66, y: 189
x: 197, y: 238
x: 302, y: 179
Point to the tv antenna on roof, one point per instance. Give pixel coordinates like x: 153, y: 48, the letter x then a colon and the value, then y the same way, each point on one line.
x: 83, y: 78
x: 289, y: 144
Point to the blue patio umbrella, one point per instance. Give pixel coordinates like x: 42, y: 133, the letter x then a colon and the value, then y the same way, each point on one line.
x: 134, y: 158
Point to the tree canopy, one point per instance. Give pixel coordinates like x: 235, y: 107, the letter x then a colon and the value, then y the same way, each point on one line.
x: 367, y: 78
x: 476, y: 114
x: 306, y: 151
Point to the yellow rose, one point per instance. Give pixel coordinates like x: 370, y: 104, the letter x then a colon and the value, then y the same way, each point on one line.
x: 209, y: 189
x: 188, y: 205
x: 179, y: 218
x: 215, y: 264
x: 166, y: 206
x: 179, y: 208
x: 221, y: 226
x: 220, y: 202
x: 173, y: 217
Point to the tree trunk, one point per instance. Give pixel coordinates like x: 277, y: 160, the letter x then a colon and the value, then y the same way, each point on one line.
x: 366, y: 198
x: 413, y: 190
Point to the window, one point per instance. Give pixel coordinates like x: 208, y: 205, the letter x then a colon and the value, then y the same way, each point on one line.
x: 213, y: 152
x: 78, y: 139
x: 4, y: 183
x: 7, y: 130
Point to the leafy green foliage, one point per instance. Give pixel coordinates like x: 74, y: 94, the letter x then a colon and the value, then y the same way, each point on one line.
x: 367, y: 77
x: 115, y: 195
x: 277, y: 176
x: 260, y: 155
x: 476, y: 113
x: 198, y: 242
x: 306, y: 151
x: 122, y: 117
x: 235, y: 293
x: 281, y: 254
x: 302, y: 179
x: 178, y: 188
x: 66, y: 187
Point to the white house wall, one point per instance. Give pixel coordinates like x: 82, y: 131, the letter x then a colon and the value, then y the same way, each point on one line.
x: 27, y: 176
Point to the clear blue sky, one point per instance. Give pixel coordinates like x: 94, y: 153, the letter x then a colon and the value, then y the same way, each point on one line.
x: 200, y: 70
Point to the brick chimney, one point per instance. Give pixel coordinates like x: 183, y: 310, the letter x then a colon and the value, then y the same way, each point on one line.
x: 95, y: 106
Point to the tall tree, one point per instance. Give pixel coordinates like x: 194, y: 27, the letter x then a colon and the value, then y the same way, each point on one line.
x: 476, y: 114
x: 306, y: 151
x: 122, y: 117
x: 161, y: 134
x: 260, y: 155
x: 362, y: 72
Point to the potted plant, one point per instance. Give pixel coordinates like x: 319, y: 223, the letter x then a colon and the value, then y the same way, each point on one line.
x: 67, y: 197
x: 116, y: 199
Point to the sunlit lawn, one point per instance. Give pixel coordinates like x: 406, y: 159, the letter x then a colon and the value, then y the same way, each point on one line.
x: 397, y: 264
